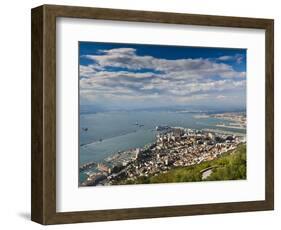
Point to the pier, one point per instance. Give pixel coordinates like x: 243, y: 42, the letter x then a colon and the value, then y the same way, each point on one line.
x: 87, y: 166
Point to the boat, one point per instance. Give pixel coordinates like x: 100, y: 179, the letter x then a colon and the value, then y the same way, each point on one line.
x: 162, y: 128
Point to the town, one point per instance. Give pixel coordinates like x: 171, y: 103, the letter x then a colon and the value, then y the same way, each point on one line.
x: 174, y: 147
x: 236, y: 120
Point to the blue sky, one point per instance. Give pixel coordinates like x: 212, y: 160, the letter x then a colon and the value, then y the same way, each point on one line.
x: 130, y: 76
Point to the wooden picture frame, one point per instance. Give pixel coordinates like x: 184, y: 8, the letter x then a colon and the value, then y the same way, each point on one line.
x: 43, y: 207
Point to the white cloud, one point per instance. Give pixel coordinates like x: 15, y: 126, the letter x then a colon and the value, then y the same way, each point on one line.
x: 127, y: 58
x: 225, y: 58
x: 182, y: 79
x: 237, y: 58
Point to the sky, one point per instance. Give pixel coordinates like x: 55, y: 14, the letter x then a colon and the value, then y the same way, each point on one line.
x: 135, y: 76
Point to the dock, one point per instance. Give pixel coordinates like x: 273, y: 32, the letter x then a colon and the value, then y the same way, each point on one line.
x: 87, y: 166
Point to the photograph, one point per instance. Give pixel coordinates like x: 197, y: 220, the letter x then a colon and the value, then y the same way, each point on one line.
x: 161, y: 114
x: 141, y: 114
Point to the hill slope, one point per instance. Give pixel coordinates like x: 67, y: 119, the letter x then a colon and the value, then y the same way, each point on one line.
x: 229, y: 166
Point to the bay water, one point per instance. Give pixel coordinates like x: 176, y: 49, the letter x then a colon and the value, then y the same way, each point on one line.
x: 103, y: 134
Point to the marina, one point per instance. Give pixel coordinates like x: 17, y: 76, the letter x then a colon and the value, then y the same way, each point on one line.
x: 139, y: 131
x: 174, y: 147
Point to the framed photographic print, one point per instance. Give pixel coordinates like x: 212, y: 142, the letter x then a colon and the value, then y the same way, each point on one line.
x: 148, y: 114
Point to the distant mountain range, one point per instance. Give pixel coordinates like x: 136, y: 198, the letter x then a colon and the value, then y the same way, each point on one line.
x: 88, y: 109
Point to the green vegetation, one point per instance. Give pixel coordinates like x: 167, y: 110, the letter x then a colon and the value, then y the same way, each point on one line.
x: 229, y: 166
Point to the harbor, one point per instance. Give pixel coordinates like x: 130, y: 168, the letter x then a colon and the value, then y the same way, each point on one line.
x: 174, y: 147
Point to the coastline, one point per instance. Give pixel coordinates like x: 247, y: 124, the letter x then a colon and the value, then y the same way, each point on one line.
x: 230, y: 126
x: 119, y: 167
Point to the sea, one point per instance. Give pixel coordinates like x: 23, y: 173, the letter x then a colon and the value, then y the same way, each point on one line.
x: 103, y: 134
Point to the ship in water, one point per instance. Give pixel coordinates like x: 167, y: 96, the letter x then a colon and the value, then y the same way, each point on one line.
x: 162, y: 128
x: 139, y: 125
